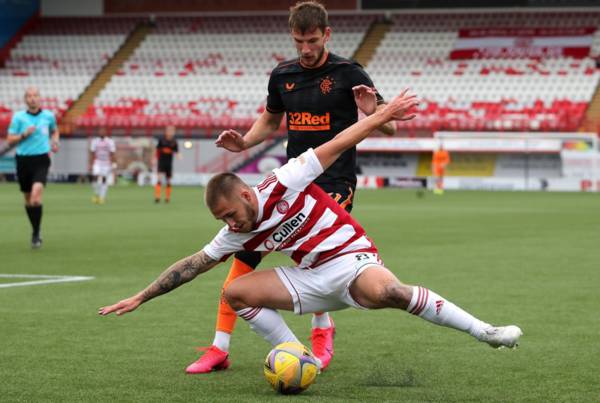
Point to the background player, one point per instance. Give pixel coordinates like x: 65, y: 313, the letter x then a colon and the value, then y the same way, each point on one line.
x: 102, y: 161
x: 319, y: 92
x: 35, y: 132
x: 166, y: 147
x: 331, y: 272
x: 439, y: 162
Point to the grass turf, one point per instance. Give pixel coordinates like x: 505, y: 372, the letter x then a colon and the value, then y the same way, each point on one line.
x: 525, y: 258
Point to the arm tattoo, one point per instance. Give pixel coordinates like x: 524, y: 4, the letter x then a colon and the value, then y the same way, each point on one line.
x: 179, y: 273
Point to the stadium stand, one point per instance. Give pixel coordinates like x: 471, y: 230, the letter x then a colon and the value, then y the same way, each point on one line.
x: 517, y: 93
x: 206, y: 72
x: 212, y: 72
x: 60, y: 56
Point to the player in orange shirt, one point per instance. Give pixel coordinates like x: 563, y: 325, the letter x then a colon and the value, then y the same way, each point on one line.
x: 439, y: 162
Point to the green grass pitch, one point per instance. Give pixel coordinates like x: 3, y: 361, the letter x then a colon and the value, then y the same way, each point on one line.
x: 532, y: 259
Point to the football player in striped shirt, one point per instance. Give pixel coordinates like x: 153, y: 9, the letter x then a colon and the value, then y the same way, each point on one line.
x: 318, y: 94
x: 337, y: 265
x: 102, y: 160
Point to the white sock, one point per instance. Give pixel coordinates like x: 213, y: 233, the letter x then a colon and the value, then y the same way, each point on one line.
x: 321, y: 321
x: 267, y: 323
x: 103, y: 190
x: 222, y: 340
x: 433, y: 308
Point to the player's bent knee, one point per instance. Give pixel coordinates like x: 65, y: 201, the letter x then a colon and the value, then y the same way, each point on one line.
x: 234, y: 296
x: 396, y: 295
x: 35, y: 197
x: 377, y: 288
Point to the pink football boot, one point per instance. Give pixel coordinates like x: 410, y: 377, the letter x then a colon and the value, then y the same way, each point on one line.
x: 213, y: 359
x: 322, y: 344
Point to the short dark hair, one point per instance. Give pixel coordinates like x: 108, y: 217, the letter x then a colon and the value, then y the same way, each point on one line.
x: 306, y: 16
x: 221, y: 185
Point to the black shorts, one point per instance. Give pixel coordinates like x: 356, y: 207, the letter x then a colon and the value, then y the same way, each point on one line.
x: 32, y: 169
x: 166, y: 167
x: 342, y: 193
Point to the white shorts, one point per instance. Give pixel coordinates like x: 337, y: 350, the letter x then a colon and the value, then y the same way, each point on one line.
x: 327, y: 287
x: 101, y: 169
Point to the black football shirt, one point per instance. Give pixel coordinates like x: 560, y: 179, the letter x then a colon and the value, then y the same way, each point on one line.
x: 165, y: 150
x: 319, y: 104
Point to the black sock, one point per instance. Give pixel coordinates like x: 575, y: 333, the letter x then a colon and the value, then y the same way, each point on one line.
x: 35, y: 217
x: 29, y: 214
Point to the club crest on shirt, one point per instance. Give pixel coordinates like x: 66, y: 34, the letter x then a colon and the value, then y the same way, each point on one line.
x: 282, y: 206
x: 326, y: 85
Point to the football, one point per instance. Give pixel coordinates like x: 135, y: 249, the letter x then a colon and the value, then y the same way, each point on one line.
x: 290, y: 368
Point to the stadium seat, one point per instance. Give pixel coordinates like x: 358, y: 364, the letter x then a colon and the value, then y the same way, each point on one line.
x: 212, y: 69
x: 60, y: 56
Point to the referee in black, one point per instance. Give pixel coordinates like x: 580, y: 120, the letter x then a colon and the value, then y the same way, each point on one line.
x: 35, y: 133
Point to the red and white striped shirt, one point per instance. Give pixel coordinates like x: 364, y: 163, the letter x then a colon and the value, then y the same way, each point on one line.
x: 297, y: 218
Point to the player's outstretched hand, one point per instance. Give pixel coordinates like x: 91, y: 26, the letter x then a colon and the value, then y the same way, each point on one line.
x: 365, y: 98
x: 121, y: 307
x: 230, y: 140
x: 402, y: 107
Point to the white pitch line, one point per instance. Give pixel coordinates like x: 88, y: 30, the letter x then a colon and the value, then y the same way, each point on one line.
x: 47, y: 279
x: 33, y: 276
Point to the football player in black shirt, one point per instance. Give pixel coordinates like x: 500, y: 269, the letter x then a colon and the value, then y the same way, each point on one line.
x: 319, y: 93
x: 165, y: 149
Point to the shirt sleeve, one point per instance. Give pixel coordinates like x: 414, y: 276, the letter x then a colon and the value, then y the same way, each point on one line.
x: 113, y: 148
x: 176, y: 147
x: 15, y: 126
x: 223, y: 245
x: 358, y: 76
x: 299, y: 172
x: 274, y: 101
